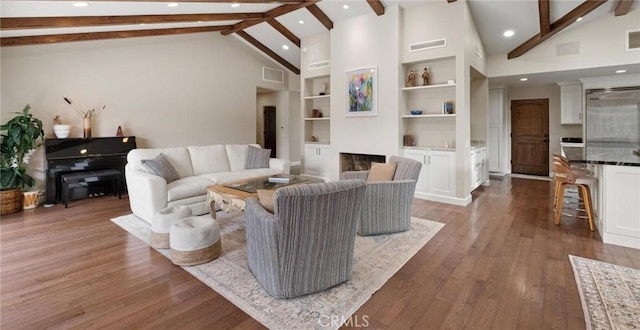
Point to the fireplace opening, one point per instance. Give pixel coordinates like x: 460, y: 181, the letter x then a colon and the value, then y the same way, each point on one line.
x: 359, y: 162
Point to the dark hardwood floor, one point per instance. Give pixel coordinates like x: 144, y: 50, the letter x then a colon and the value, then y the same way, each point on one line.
x: 498, y: 263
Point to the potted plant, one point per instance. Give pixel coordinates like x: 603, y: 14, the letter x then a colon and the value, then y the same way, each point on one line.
x: 60, y: 129
x: 20, y: 138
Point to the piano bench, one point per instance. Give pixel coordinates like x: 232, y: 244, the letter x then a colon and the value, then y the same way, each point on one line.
x: 82, y: 179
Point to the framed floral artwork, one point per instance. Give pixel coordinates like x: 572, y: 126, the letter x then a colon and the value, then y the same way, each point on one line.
x: 361, y: 92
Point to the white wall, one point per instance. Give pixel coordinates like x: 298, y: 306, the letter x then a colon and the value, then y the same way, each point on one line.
x: 362, y: 42
x: 178, y: 90
x: 601, y: 44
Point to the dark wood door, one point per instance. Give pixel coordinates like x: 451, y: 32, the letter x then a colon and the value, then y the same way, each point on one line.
x: 530, y: 137
x: 270, y: 129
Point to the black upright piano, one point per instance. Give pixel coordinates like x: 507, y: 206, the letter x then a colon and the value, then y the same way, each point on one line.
x: 78, y: 154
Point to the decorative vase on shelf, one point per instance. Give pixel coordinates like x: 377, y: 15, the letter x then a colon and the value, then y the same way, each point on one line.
x: 61, y: 131
x: 87, y: 127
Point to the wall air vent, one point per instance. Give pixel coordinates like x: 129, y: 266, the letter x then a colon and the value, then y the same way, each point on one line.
x: 319, y: 65
x: 568, y: 48
x: 632, y: 40
x: 272, y: 75
x: 426, y: 45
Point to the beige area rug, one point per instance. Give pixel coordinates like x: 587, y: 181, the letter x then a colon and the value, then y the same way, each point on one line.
x: 610, y: 294
x: 376, y: 259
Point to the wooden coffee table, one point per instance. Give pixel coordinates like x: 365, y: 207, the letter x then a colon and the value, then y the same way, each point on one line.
x: 232, y: 196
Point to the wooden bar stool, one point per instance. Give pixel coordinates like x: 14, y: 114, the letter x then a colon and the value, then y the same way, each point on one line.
x: 564, y: 177
x: 577, y: 170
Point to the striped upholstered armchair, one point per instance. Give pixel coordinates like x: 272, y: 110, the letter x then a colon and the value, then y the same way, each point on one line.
x: 387, y: 204
x: 306, y: 245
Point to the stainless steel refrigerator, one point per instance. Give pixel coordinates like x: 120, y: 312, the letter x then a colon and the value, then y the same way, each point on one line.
x: 613, y: 115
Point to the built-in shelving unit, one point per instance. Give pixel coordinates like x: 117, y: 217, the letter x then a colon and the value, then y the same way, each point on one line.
x: 427, y: 87
x: 316, y: 110
x: 434, y: 127
x: 430, y: 116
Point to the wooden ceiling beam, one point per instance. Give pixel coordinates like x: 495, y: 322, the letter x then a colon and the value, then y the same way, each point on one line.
x: 545, y: 16
x: 273, y: 13
x: 284, y: 31
x: 377, y: 7
x: 56, y: 38
x: 566, y: 20
x: 623, y: 6
x: 320, y: 16
x: 450, y: 1
x: 244, y: 35
x: 11, y: 23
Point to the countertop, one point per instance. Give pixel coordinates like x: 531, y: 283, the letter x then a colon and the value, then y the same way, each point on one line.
x: 605, y: 153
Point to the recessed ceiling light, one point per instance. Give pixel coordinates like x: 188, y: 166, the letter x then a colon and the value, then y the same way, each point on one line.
x: 578, y: 19
x: 235, y: 5
x: 80, y: 4
x: 621, y: 71
x: 345, y: 6
x: 524, y: 79
x: 173, y: 4
x: 285, y: 47
x: 301, y: 21
x: 508, y: 33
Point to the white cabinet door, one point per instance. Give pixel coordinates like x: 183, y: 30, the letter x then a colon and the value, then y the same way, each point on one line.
x: 494, y: 148
x: 496, y: 106
x: 620, y: 202
x: 571, y: 104
x: 316, y: 160
x: 421, y: 156
x: 441, y: 173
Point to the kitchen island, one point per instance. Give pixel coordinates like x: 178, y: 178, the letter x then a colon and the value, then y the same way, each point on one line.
x: 617, y: 196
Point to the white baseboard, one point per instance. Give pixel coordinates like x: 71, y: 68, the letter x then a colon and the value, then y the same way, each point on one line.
x: 296, y: 163
x: 444, y: 199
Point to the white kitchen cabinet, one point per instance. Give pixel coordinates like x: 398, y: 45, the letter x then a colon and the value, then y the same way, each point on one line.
x: 437, y: 175
x: 571, y: 97
x: 620, y: 207
x: 478, y: 167
x: 316, y: 160
x: 496, y: 144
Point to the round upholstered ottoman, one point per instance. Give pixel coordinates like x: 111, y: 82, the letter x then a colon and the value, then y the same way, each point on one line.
x: 162, y: 222
x: 195, y: 240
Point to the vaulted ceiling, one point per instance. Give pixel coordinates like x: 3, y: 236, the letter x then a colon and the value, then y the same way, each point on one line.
x: 276, y: 27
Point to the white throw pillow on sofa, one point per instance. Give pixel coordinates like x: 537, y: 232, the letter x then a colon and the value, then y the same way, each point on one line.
x: 209, y: 159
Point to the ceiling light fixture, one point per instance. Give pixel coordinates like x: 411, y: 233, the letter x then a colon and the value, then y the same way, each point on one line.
x: 524, y: 79
x: 235, y: 5
x: 345, y: 6
x: 508, y: 33
x: 578, y: 19
x: 80, y: 4
x: 173, y: 4
x: 301, y: 21
x: 621, y: 71
x: 285, y: 47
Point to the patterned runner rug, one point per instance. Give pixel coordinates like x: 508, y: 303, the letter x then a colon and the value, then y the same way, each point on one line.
x: 610, y: 294
x: 376, y: 259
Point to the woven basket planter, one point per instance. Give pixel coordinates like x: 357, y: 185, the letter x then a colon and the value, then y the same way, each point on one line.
x: 10, y: 200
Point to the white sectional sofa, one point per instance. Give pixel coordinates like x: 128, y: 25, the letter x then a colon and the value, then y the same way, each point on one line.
x: 198, y: 167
